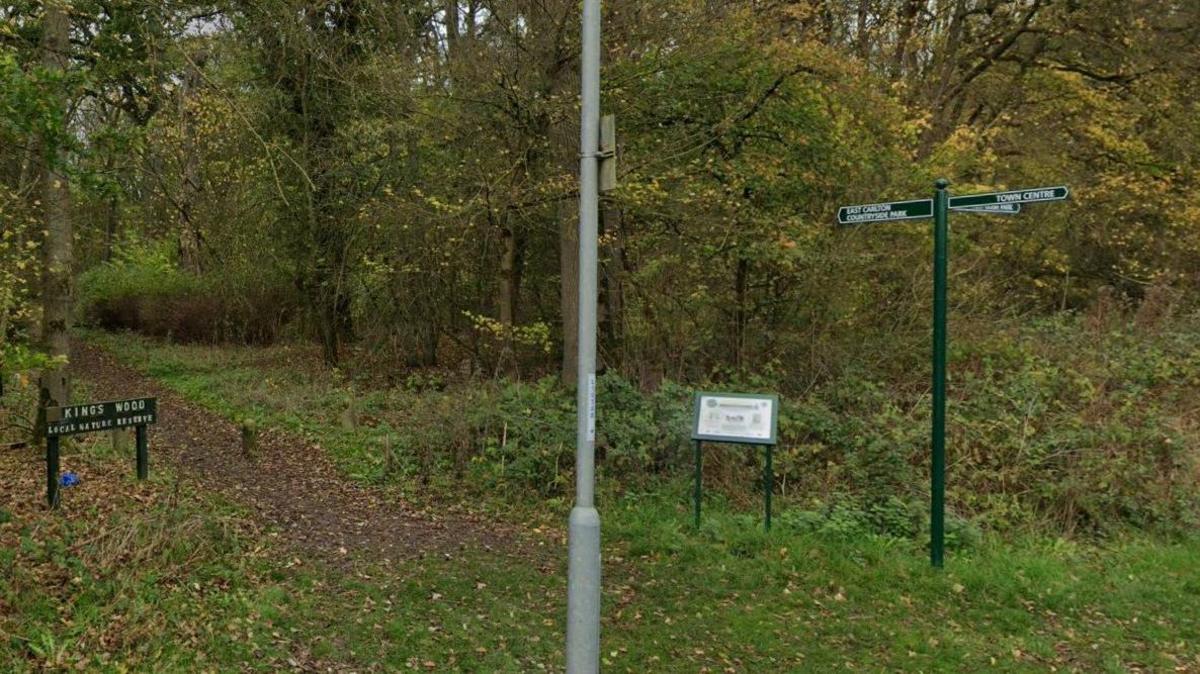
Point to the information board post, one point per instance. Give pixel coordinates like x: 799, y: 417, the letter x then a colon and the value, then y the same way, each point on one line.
x: 697, y: 495
x: 736, y: 419
x: 937, y: 512
x: 768, y: 487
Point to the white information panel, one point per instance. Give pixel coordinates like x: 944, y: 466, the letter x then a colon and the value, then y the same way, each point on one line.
x: 736, y: 417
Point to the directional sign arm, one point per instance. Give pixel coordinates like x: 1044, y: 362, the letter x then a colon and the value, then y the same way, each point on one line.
x: 885, y: 212
x: 1025, y: 196
x: 991, y: 209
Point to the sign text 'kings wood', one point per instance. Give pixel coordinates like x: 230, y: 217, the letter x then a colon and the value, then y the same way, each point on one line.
x: 103, y: 416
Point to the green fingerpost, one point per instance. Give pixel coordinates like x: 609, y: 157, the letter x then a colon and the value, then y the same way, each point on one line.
x: 937, y: 515
x: 1008, y: 202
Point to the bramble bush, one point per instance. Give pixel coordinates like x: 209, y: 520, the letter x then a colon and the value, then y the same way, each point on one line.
x: 1067, y: 424
x: 1053, y: 423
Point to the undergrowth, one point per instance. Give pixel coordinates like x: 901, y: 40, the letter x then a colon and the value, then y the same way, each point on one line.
x: 1055, y: 425
x: 143, y: 289
x: 158, y: 576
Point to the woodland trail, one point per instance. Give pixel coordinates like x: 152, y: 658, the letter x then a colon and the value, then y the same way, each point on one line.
x: 291, y: 485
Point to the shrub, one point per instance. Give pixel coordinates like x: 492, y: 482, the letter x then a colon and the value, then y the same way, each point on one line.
x: 1049, y: 424
x: 142, y: 290
x: 526, y: 435
x: 522, y: 434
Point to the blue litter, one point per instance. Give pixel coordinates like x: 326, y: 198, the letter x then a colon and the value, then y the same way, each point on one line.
x: 69, y: 479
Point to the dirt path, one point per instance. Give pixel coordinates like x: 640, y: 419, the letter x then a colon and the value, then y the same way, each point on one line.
x: 292, y: 484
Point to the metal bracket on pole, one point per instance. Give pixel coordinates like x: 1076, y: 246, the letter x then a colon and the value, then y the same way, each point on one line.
x: 608, y: 153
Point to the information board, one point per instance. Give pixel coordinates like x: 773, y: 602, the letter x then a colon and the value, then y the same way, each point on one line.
x: 736, y: 417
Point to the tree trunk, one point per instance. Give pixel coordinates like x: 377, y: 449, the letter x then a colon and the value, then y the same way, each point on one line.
x: 864, y: 45
x: 429, y: 344
x: 947, y: 71
x: 57, y: 254
x: 110, y: 227
x: 739, y: 316
x: 511, y: 267
x: 451, y: 27
x: 908, y: 19
x: 329, y: 328
x: 189, y: 232
x: 614, y: 265
x: 568, y: 258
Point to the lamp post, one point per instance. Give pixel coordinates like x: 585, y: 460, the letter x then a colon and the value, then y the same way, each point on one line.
x: 583, y: 531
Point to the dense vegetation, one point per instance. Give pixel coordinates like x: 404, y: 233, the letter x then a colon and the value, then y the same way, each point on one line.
x: 151, y: 577
x: 398, y: 176
x: 353, y: 222
x: 393, y: 181
x: 1067, y: 425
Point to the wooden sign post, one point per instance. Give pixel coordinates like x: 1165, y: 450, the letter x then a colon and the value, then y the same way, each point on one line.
x: 93, y: 417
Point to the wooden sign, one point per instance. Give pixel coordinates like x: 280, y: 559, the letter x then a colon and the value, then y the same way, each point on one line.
x: 104, y: 416
x: 137, y: 413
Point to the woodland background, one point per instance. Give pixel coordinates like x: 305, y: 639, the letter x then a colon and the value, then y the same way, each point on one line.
x: 394, y: 183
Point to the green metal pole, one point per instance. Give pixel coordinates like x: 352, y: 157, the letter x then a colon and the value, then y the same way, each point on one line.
x: 696, y: 496
x: 143, y: 453
x: 768, y: 486
x: 52, y: 471
x: 937, y: 517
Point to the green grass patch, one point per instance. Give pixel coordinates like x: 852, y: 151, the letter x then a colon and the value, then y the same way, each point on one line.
x: 194, y: 591
x: 824, y: 590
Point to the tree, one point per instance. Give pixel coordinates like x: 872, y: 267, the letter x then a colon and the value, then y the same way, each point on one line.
x: 59, y: 237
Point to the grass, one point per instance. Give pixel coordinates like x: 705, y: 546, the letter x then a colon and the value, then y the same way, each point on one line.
x: 139, y: 578
x: 154, y: 577
x: 734, y: 599
x: 282, y: 386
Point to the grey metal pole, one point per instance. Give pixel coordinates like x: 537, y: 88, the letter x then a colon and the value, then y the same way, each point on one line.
x: 583, y: 563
